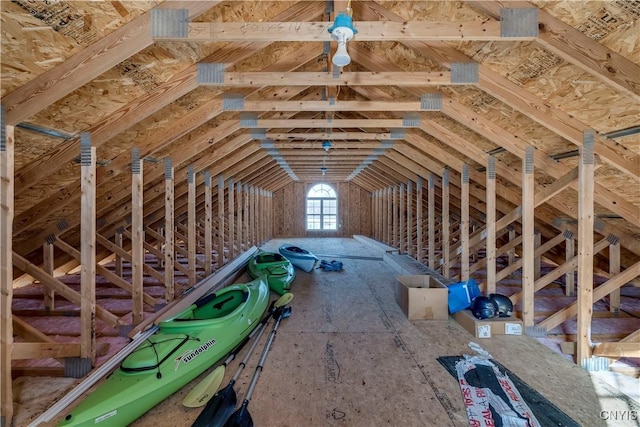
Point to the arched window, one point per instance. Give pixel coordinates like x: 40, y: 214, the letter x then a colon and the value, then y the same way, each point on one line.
x: 322, y: 208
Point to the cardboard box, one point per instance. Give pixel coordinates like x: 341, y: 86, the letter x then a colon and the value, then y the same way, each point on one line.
x: 422, y: 297
x: 487, y: 328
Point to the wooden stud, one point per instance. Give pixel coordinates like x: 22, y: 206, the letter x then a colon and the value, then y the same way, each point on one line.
x: 410, y: 218
x: 239, y: 203
x: 191, y: 226
x: 537, y: 266
x: 169, y: 235
x: 389, y: 220
x: 247, y: 231
x: 419, y: 219
x: 159, y: 246
x: 394, y: 216
x: 380, y: 222
x: 570, y: 253
x: 446, y: 231
x: 491, y: 225
x: 464, y: 222
x: 208, y: 225
x: 221, y: 221
x: 585, y: 246
x: 49, y: 267
x: 402, y: 227
x: 88, y: 250
x: 137, y: 237
x: 431, y: 206
x: 7, y: 153
x: 231, y: 220
x: 118, y: 262
x: 512, y: 252
x: 528, y: 239
x: 614, y: 269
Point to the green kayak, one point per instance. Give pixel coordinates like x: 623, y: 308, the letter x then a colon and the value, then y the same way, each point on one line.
x: 278, y: 269
x: 183, y: 347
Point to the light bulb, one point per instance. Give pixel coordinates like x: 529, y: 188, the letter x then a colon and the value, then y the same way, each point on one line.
x: 341, y: 57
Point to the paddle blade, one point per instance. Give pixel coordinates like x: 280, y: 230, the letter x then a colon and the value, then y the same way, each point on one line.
x: 218, y: 409
x: 202, y: 392
x: 284, y: 300
x: 240, y: 418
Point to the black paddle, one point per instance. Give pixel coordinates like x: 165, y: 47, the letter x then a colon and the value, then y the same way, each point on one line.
x: 242, y: 417
x: 222, y: 404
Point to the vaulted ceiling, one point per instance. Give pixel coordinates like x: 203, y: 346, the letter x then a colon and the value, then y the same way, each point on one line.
x: 247, y: 90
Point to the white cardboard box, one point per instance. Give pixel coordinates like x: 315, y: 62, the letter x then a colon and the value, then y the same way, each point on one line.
x: 486, y: 328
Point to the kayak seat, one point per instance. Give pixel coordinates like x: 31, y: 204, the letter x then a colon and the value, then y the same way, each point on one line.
x: 221, y: 306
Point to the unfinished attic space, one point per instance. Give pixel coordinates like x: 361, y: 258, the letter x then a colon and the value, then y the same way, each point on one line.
x: 435, y: 204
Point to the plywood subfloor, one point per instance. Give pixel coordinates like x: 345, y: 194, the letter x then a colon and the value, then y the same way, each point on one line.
x: 348, y: 356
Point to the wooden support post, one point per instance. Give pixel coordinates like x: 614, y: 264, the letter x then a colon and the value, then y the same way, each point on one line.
x: 239, y: 216
x: 256, y: 215
x: 528, y: 239
x: 512, y: 252
x: 208, y: 225
x: 88, y: 249
x: 432, y: 221
x: 252, y: 217
x: 585, y: 247
x: 137, y: 237
x: 410, y: 218
x: 446, y: 261
x: 259, y: 215
x: 570, y: 252
x: 491, y: 225
x: 614, y: 269
x: 159, y: 245
x: 48, y: 266
x: 377, y: 223
x: 169, y: 234
x: 537, y: 266
x: 419, y: 237
x: 389, y: 217
x: 394, y: 216
x: 464, y: 222
x: 231, y: 210
x: 7, y: 147
x: 220, y: 221
x: 402, y: 227
x: 247, y: 231
x: 118, y: 266
x: 191, y: 226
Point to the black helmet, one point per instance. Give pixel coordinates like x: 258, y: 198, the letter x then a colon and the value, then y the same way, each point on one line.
x: 484, y: 308
x: 505, y: 306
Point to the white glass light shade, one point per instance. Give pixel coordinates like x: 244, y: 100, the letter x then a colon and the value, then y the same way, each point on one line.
x: 341, y: 57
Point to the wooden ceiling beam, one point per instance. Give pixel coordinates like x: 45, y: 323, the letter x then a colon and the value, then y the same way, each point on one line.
x: 331, y: 136
x: 323, y: 123
x: 367, y: 31
x: 357, y: 78
x: 336, y: 105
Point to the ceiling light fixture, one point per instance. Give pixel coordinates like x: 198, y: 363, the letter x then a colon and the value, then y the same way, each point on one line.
x: 323, y: 170
x: 342, y: 31
x: 326, y: 145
